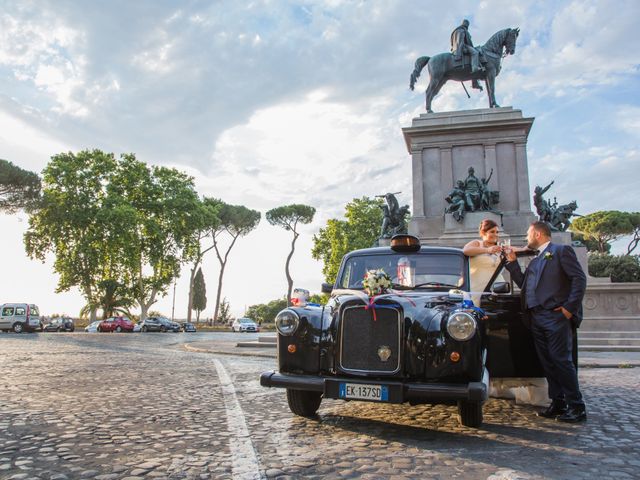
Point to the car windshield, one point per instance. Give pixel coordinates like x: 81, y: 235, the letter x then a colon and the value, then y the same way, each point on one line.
x: 407, y: 271
x: 246, y: 320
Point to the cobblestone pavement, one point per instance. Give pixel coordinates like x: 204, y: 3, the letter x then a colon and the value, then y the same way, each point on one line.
x: 137, y: 406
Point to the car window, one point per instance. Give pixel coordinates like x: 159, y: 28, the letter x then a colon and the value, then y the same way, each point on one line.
x: 406, y: 269
x: 246, y: 320
x: 7, y: 311
x: 20, y: 311
x: 34, y: 310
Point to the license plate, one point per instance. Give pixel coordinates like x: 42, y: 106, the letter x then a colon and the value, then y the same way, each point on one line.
x: 363, y: 391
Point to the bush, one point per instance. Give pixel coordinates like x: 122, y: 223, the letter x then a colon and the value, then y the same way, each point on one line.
x: 621, y: 268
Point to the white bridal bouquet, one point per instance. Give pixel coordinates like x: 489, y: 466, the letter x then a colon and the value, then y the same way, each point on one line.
x: 376, y: 282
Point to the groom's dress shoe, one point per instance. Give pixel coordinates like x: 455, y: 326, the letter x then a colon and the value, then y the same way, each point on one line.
x: 573, y: 415
x: 553, y: 410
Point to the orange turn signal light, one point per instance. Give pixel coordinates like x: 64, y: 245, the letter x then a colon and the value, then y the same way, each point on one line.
x: 291, y: 348
x: 455, y: 357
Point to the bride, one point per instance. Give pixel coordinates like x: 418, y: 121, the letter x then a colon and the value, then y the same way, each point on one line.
x: 484, y: 258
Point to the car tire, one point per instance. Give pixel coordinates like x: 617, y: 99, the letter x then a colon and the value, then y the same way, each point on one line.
x: 303, y: 403
x: 144, y: 329
x: 58, y: 329
x: 99, y: 330
x: 18, y: 327
x: 470, y: 413
x: 163, y: 330
x: 118, y: 329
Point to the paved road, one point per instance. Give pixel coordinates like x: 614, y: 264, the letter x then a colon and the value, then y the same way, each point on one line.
x: 110, y: 406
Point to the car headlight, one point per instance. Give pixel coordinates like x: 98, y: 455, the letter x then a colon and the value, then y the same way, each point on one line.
x: 461, y: 326
x: 287, y: 322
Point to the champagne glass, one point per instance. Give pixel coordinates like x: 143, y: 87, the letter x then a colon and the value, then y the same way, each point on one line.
x: 505, y: 244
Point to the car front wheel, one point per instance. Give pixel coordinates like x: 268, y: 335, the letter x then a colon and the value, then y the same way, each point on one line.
x: 303, y: 403
x: 470, y: 413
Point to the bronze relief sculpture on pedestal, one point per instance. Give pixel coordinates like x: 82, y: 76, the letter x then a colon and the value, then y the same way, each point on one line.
x: 470, y: 195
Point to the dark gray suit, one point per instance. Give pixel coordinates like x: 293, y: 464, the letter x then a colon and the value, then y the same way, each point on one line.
x: 554, y: 279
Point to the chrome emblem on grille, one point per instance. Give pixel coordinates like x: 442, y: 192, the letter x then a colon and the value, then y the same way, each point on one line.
x: 384, y: 353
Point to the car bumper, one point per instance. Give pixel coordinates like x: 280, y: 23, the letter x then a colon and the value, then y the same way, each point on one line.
x: 402, y: 391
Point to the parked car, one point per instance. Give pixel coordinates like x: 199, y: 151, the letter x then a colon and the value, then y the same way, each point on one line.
x: 93, y: 326
x: 244, y: 325
x: 159, y: 324
x: 116, y: 324
x: 61, y: 324
x: 188, y: 327
x: 136, y: 327
x: 19, y: 317
x: 422, y: 342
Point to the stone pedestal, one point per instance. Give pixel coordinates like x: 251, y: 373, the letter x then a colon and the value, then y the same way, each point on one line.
x: 457, y: 234
x: 444, y: 145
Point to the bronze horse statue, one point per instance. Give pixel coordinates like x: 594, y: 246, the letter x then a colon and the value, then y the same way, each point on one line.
x: 442, y: 67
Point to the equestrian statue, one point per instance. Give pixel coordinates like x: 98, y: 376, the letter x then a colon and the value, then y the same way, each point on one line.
x: 467, y: 62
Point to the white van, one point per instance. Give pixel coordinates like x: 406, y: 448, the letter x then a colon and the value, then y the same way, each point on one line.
x: 19, y: 317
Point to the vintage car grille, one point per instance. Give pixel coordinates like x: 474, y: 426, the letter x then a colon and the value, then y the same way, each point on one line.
x: 362, y: 338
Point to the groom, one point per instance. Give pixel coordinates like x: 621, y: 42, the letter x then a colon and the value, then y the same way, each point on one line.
x: 552, y: 287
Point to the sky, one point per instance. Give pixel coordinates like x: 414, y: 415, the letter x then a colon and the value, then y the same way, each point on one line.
x: 268, y: 103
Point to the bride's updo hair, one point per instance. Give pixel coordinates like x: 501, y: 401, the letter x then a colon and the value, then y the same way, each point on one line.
x: 486, y: 225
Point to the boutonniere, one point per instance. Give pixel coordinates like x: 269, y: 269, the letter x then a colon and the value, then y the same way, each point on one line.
x: 548, y: 255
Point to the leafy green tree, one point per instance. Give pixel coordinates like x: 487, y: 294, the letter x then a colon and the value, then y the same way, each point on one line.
x: 114, y: 299
x: 235, y: 221
x: 288, y: 217
x: 19, y: 189
x: 360, y: 229
x: 74, y: 223
x: 592, y: 245
x: 621, y: 268
x: 608, y: 226
x: 319, y: 298
x: 156, y: 225
x: 224, y: 315
x: 199, y: 294
x: 205, y: 222
x: 266, y: 312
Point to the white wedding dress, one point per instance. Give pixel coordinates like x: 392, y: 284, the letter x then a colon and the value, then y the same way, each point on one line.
x: 481, y: 269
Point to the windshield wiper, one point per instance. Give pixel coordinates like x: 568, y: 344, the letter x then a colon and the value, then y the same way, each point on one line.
x: 435, y: 284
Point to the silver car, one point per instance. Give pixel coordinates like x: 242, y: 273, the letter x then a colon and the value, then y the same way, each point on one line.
x: 19, y: 317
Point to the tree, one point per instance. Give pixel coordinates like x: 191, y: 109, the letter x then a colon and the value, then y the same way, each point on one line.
x: 288, y: 217
x: 206, y: 221
x: 199, y: 294
x: 19, y: 189
x: 620, y: 268
x: 74, y: 223
x: 156, y: 205
x: 224, y: 315
x: 592, y: 245
x: 235, y: 221
x: 266, y: 312
x: 359, y: 230
x: 607, y: 226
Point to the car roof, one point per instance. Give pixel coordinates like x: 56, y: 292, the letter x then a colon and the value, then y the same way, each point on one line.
x: 387, y: 250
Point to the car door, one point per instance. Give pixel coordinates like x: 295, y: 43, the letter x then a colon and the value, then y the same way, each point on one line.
x: 510, y: 348
x: 6, y: 317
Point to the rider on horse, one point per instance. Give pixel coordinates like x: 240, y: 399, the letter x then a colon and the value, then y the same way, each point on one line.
x: 460, y: 44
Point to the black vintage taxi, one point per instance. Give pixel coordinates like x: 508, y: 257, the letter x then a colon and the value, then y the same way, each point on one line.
x: 419, y: 342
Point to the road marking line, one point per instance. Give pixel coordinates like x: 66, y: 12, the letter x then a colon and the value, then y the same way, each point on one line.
x: 244, y: 461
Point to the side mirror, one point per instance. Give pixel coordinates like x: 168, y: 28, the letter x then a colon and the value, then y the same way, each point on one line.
x: 327, y: 288
x: 501, y: 287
